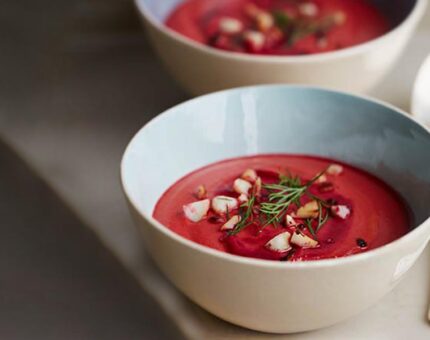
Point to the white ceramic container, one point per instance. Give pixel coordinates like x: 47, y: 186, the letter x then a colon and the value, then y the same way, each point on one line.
x: 421, y: 94
x: 271, y: 296
x: 201, y: 69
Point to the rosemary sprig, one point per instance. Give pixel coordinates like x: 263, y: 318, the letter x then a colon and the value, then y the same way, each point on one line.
x: 282, y: 19
x: 245, y: 214
x: 282, y: 195
x: 308, y: 223
x: 321, y: 220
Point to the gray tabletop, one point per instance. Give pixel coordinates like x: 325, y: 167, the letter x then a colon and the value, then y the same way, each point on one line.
x: 78, y: 79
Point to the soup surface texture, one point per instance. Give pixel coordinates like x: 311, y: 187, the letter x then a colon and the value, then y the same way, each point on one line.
x: 278, y: 27
x: 284, y: 207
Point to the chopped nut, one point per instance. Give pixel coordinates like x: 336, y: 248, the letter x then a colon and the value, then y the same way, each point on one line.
x: 231, y: 223
x: 249, y: 175
x: 290, y: 221
x: 339, y: 18
x: 201, y: 192
x: 334, y: 169
x: 257, y: 187
x: 321, y: 179
x: 222, y: 204
x: 309, y: 210
x: 280, y: 243
x: 341, y: 211
x: 241, y: 186
x: 254, y: 40
x: 230, y: 25
x: 303, y: 241
x: 243, y: 198
x: 196, y: 211
x: 265, y: 21
x: 308, y: 9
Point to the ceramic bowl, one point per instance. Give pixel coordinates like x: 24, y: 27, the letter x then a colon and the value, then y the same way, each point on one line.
x: 201, y: 69
x: 420, y: 96
x: 272, y: 296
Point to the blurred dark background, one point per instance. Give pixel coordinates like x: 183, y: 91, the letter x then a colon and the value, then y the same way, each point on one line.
x: 70, y: 74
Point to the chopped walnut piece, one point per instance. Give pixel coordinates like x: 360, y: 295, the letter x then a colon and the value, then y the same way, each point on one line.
x: 309, y: 210
x: 201, y: 192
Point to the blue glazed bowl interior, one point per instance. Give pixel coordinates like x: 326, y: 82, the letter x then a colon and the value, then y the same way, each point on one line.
x: 395, y: 10
x: 282, y: 119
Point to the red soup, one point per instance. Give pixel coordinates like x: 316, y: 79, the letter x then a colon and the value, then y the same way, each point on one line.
x: 284, y: 207
x: 278, y: 27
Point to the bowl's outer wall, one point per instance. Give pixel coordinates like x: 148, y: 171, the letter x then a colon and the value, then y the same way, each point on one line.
x: 270, y: 120
x: 201, y: 71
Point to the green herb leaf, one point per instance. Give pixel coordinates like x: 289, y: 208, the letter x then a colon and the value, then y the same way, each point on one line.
x: 282, y: 19
x: 245, y: 215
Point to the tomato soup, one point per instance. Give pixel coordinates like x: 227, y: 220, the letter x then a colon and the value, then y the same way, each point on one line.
x: 284, y: 208
x: 278, y: 27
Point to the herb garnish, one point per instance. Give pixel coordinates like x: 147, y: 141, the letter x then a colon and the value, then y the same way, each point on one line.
x: 289, y: 190
x: 245, y: 214
x: 282, y: 195
x: 282, y: 19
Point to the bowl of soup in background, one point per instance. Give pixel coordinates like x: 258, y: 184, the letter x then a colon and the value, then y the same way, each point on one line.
x: 272, y: 296
x: 202, y: 69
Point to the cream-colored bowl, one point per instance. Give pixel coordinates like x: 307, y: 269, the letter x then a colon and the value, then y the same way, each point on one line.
x: 274, y: 296
x: 201, y: 69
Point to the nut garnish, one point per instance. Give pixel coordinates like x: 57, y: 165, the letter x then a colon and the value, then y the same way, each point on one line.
x: 243, y: 198
x: 290, y: 221
x: 321, y: 179
x: 223, y: 204
x: 257, y: 187
x: 309, y: 210
x: 254, y: 40
x: 308, y: 9
x: 339, y: 18
x: 231, y: 223
x: 241, y: 186
x: 280, y: 243
x: 264, y: 21
x: 341, y: 211
x: 249, y: 175
x: 196, y: 211
x: 303, y: 241
x: 201, y: 192
x: 334, y: 169
x: 230, y: 25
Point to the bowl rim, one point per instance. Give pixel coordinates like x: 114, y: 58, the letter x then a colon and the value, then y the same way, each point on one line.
x: 254, y: 261
x: 414, y: 15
